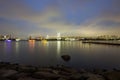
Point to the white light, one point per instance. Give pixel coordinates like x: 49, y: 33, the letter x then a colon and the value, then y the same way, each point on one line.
x: 5, y: 37
x: 58, y: 34
x: 47, y: 37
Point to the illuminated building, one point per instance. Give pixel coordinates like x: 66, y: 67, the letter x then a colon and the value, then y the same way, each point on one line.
x: 47, y: 37
x: 58, y: 36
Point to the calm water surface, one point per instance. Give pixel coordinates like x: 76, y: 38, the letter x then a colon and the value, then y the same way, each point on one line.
x: 49, y: 54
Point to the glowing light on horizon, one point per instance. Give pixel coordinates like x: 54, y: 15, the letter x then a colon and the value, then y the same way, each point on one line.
x: 31, y: 40
x: 44, y: 42
x: 17, y: 39
x: 58, y: 36
x: 8, y: 40
x: 47, y: 37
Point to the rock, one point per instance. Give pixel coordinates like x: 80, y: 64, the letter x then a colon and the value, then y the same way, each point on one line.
x: 91, y: 76
x: 61, y: 79
x: 27, y: 69
x: 69, y: 70
x: 83, y: 71
x: 2, y: 71
x: 3, y: 65
x: 66, y: 57
x: 95, y: 78
x: 99, y: 71
x: 112, y: 75
x: 8, y: 73
x: 4, y: 78
x: 29, y: 78
x: 7, y: 63
x: 12, y: 66
x: 76, y: 76
x: 45, y: 75
x: 45, y: 69
x: 18, y: 75
x: 65, y: 73
x: 55, y: 71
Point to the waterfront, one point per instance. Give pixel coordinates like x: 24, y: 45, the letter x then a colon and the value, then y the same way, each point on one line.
x: 49, y: 54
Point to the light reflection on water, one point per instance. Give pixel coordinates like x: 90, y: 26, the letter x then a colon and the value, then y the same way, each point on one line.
x: 7, y: 46
x: 58, y: 47
x: 49, y: 53
x: 17, y: 47
x: 31, y: 46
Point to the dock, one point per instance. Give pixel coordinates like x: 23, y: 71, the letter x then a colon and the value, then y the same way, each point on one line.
x: 103, y: 42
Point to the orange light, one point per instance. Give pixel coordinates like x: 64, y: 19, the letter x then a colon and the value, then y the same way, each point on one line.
x: 31, y: 40
x: 31, y: 45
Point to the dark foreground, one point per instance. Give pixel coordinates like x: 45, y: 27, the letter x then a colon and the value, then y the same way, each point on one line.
x: 24, y: 72
x: 117, y: 43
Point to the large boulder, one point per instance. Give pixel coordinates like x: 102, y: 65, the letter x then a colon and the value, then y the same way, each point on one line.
x: 7, y: 73
x: 29, y: 78
x: 91, y: 76
x: 76, y: 76
x: 61, y: 79
x: 18, y: 75
x: 69, y: 70
x: 27, y: 69
x: 66, y: 57
x: 46, y: 75
x: 45, y: 69
x: 112, y: 75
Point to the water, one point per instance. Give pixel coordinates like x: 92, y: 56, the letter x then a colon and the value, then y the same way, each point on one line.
x: 49, y: 54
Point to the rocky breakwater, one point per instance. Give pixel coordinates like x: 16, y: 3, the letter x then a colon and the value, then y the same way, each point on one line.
x: 24, y: 72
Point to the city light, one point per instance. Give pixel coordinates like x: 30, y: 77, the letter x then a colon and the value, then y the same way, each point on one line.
x: 8, y: 40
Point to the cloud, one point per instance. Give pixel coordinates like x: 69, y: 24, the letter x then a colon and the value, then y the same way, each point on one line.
x: 106, y: 22
x: 52, y: 18
x: 100, y: 26
x: 16, y: 10
x: 49, y: 19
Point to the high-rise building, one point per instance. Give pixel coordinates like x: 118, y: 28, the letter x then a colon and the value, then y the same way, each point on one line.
x: 58, y: 36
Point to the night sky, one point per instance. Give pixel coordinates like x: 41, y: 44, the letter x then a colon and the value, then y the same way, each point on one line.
x: 41, y: 17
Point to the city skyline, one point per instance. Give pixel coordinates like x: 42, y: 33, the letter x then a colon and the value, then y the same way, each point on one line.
x: 41, y: 17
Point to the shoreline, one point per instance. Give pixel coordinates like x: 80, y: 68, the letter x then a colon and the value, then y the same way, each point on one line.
x: 10, y: 71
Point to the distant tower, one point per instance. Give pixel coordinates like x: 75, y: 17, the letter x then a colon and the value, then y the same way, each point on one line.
x: 5, y: 37
x: 47, y: 37
x: 58, y: 36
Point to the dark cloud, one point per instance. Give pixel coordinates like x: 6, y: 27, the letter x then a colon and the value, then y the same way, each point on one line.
x: 52, y: 17
x: 112, y: 12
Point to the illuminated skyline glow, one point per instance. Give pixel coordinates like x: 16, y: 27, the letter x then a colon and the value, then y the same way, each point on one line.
x: 23, y: 18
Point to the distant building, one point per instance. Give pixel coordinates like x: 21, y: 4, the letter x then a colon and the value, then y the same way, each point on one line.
x: 58, y: 36
x: 108, y: 37
x: 1, y: 37
x: 47, y: 37
x: 39, y: 38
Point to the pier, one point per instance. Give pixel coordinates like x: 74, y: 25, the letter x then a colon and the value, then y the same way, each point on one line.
x: 103, y: 42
